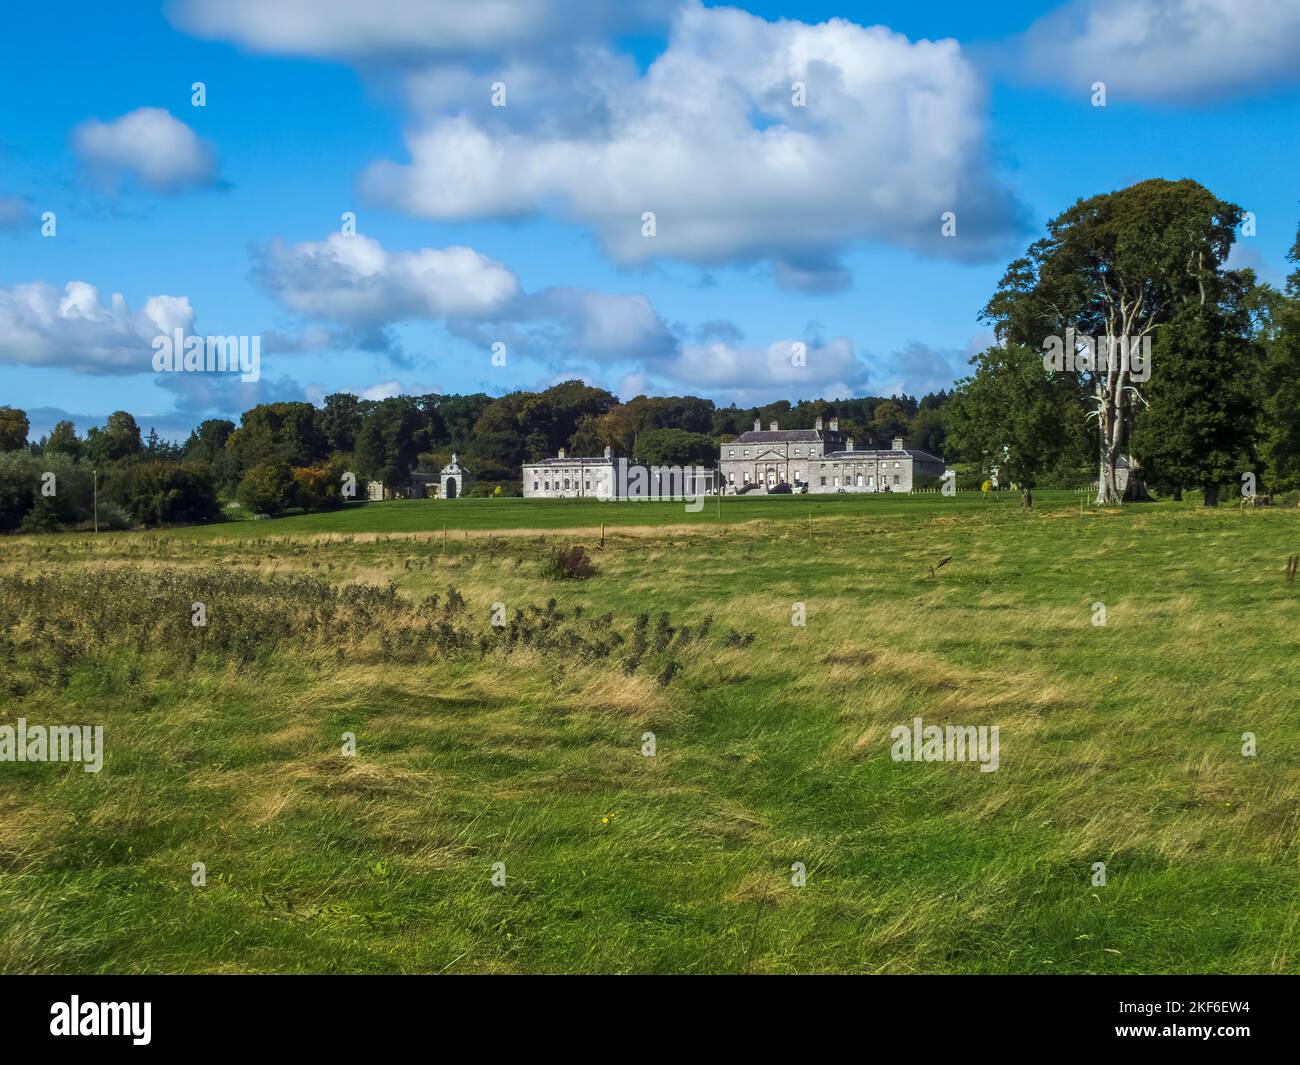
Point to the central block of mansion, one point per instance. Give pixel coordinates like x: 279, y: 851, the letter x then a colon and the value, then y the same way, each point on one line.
x: 820, y: 459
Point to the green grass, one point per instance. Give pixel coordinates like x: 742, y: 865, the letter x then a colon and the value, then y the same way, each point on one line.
x: 430, y: 515
x: 1119, y: 744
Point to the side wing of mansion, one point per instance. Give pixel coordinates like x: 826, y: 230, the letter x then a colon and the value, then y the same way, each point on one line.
x: 820, y: 460
x: 607, y: 477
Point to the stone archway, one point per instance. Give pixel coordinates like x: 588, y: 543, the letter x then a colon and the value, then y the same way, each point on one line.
x: 454, y: 477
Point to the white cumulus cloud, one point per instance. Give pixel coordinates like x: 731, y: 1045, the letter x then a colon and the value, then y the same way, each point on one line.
x: 1164, y: 50
x: 355, y: 282
x: 76, y: 329
x: 160, y: 152
x: 781, y: 369
x: 355, y: 279
x: 395, y: 28
x: 710, y: 139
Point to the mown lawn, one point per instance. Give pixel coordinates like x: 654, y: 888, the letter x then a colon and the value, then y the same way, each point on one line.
x: 1118, y: 743
x: 427, y: 516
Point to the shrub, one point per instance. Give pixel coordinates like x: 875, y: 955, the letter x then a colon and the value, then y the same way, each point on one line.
x: 22, y: 504
x: 489, y: 489
x: 42, y: 516
x: 113, y: 517
x: 569, y: 564
x: 317, y: 487
x: 15, y: 498
x: 266, y: 488
x: 157, y: 493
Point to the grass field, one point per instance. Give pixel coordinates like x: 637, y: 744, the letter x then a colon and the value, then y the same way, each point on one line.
x: 476, y: 745
x: 425, y: 516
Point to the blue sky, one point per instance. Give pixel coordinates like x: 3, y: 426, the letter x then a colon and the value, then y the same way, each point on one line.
x: 521, y: 224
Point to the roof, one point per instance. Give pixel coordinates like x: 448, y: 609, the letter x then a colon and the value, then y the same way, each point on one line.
x: 923, y: 456
x: 774, y: 436
x: 591, y: 460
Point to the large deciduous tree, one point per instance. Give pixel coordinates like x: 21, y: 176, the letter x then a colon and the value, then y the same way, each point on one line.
x: 13, y: 428
x: 1199, y: 425
x: 63, y: 440
x: 1114, y: 268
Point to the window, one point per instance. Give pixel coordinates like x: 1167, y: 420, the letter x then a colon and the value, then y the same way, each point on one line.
x: 746, y: 452
x: 588, y: 486
x: 548, y: 486
x: 534, y: 486
x: 731, y: 477
x: 731, y: 452
x: 895, y: 478
x: 823, y: 467
x: 871, y: 482
x: 895, y: 467
x: 835, y: 482
x: 797, y: 451
x: 823, y: 482
x: 566, y: 484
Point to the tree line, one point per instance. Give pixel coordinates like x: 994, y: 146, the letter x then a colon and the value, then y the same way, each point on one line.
x: 1144, y: 268
x: 283, y: 456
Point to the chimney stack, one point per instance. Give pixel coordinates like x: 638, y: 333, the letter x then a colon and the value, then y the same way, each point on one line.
x: 898, y: 443
x: 561, y: 452
x: 818, y: 423
x: 850, y: 444
x: 835, y: 425
x: 608, y: 456
x: 773, y: 425
x: 758, y: 425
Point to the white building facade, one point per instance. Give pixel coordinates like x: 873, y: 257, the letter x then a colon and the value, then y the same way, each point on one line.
x: 582, y: 477
x: 819, y: 460
x: 565, y: 477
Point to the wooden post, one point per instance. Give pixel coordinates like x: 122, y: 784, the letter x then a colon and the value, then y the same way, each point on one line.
x: 444, y: 538
x: 602, y: 535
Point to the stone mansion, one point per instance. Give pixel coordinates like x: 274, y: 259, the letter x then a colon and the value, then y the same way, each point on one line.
x: 819, y: 460
x: 816, y: 460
